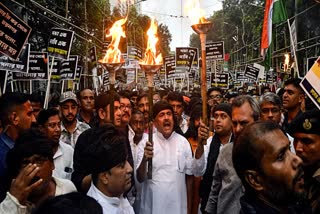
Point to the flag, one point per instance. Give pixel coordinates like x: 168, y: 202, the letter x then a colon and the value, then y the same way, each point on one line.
x: 267, y: 28
x: 275, y: 13
x: 279, y: 12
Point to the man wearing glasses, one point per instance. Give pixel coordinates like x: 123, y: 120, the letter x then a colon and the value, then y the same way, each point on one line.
x: 214, y: 98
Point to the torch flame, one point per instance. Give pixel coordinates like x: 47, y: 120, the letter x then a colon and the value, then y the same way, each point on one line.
x: 151, y: 57
x: 195, y: 12
x: 286, y: 61
x: 113, y: 54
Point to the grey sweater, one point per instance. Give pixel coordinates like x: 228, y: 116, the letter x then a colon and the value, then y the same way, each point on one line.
x: 226, y: 188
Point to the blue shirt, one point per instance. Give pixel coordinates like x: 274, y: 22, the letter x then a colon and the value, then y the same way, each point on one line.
x: 6, y: 143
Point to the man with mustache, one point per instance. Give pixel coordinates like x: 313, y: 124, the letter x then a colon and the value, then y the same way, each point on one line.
x: 71, y: 127
x: 171, y: 157
x: 49, y: 123
x: 143, y: 106
x: 86, y: 112
x: 305, y: 130
x: 271, y: 174
x: 292, y: 99
x: 106, y: 159
x: 175, y: 99
x: 30, y: 166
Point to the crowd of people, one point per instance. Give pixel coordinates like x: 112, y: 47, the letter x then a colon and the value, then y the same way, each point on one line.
x: 259, y: 153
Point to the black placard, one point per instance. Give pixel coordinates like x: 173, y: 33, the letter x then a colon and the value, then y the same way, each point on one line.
x: 220, y: 80
x: 183, y: 55
x: 19, y: 65
x: 215, y: 50
x: 251, y: 72
x: 38, y: 67
x: 134, y: 53
x: 170, y: 64
x: 13, y: 33
x: 78, y: 73
x: 68, y: 68
x: 60, y: 43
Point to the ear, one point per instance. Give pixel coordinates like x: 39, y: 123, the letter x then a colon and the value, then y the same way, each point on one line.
x: 101, y: 113
x: 14, y: 118
x: 254, y: 180
x: 104, y: 178
x: 301, y: 98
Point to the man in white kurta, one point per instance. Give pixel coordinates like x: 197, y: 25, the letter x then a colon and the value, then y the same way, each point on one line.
x: 171, y: 156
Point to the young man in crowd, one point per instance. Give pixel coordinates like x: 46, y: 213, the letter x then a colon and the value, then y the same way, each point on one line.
x: 106, y: 158
x: 49, y: 124
x: 305, y: 130
x: 30, y: 166
x: 271, y: 175
x: 71, y: 127
x: 16, y: 115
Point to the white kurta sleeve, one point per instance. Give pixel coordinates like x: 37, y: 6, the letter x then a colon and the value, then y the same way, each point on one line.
x: 10, y: 205
x: 199, y: 165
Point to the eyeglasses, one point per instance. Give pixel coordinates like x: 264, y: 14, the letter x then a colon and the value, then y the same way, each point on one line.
x: 215, y: 96
x: 123, y: 107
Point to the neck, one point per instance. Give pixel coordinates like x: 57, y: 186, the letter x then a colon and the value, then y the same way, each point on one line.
x: 86, y: 115
x: 279, y: 208
x: 102, y: 188
x: 70, y: 126
x: 292, y: 113
x: 225, y: 138
x: 12, y: 132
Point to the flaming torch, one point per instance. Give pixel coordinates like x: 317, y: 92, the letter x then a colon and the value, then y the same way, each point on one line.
x: 201, y: 26
x: 150, y: 64
x: 113, y: 60
x: 286, y: 62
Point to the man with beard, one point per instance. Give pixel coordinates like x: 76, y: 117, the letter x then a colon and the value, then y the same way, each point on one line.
x: 16, y: 115
x: 30, y: 163
x: 222, y: 136
x: 306, y: 132
x: 71, y: 127
x: 175, y: 99
x: 143, y: 106
x: 50, y: 124
x: 86, y: 113
x: 214, y: 98
x: 271, y: 175
x: 171, y: 157
x: 292, y: 99
x: 126, y: 109
x: 106, y: 159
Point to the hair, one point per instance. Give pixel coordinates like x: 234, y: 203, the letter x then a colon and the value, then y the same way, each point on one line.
x: 106, y: 149
x: 142, y: 95
x: 241, y: 99
x: 9, y: 103
x: 103, y: 100
x: 272, y: 98
x: 36, y: 98
x: 195, y: 114
x: 136, y: 111
x: 295, y: 82
x: 214, y: 89
x: 124, y: 94
x: 71, y: 203
x: 78, y: 93
x: 30, y: 142
x: 247, y: 150
x: 174, y: 96
x: 45, y: 114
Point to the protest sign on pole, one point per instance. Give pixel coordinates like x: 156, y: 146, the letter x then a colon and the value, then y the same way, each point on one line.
x: 14, y: 33
x: 93, y: 54
x: 215, y: 50
x: 21, y: 64
x: 68, y: 68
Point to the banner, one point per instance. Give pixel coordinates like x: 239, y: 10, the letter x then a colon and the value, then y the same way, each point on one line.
x: 220, y: 80
x: 215, y: 50
x: 68, y: 68
x: 13, y: 33
x: 134, y: 52
x: 183, y: 56
x: 38, y: 67
x: 310, y: 83
x: 19, y: 65
x: 60, y: 43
